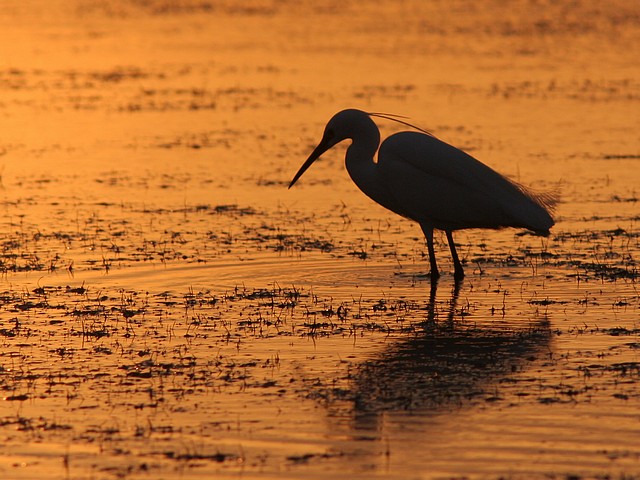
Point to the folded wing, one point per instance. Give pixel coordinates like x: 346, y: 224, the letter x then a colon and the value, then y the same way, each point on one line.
x: 433, y: 182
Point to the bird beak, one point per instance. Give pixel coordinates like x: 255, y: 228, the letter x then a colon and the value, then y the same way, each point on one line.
x: 322, y: 147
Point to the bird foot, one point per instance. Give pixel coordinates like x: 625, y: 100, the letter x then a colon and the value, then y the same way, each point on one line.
x: 458, y: 275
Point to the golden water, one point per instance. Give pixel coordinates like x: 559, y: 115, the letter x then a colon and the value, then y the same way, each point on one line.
x: 171, y: 310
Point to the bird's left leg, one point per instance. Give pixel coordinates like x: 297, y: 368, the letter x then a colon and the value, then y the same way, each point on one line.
x: 428, y: 233
x: 458, y: 271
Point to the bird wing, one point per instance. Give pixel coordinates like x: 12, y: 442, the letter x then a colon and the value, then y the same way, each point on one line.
x: 433, y: 182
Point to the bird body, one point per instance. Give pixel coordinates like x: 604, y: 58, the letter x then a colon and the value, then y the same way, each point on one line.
x: 431, y: 182
x: 443, y: 186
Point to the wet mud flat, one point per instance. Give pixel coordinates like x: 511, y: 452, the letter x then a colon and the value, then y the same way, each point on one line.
x: 169, y: 383
x: 109, y: 370
x: 169, y: 310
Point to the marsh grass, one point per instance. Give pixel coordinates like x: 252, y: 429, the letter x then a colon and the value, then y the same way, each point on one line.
x: 168, y: 309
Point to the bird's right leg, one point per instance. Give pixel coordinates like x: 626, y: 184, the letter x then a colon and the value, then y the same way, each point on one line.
x: 458, y: 271
x: 428, y: 233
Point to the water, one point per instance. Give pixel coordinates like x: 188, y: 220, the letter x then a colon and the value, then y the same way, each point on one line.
x: 171, y: 310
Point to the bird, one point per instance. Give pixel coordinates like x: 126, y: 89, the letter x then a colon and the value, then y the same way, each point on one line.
x: 435, y: 184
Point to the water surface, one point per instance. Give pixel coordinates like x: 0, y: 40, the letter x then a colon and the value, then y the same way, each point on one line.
x: 170, y: 310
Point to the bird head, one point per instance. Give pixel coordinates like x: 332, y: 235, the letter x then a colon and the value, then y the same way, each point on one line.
x: 342, y: 125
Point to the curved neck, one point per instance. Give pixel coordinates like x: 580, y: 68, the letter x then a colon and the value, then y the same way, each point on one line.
x: 365, y: 142
x: 359, y: 158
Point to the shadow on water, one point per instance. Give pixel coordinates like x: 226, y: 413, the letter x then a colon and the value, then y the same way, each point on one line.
x: 445, y: 365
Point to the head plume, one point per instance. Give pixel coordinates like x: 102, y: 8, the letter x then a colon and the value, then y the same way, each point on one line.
x: 397, y: 118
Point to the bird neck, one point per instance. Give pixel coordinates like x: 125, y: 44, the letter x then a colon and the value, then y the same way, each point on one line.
x: 365, y: 141
x: 360, y: 163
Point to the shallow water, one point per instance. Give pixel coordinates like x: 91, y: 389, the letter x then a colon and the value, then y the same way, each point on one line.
x: 171, y: 310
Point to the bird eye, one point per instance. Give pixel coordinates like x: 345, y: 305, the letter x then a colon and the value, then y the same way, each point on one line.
x: 328, y: 135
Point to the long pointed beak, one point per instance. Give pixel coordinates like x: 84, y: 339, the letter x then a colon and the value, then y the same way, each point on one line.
x: 319, y: 150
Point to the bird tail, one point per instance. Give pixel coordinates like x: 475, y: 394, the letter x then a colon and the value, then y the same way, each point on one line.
x: 543, y: 205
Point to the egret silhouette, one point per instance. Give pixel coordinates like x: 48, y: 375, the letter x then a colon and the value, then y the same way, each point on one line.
x: 431, y: 182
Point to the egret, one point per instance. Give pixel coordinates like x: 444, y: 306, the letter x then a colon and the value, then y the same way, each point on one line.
x: 431, y: 182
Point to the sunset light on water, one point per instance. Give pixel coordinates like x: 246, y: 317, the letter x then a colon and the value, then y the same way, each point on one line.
x: 171, y: 310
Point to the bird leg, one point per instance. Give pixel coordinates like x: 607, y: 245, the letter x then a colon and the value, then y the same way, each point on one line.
x: 428, y: 233
x: 458, y: 272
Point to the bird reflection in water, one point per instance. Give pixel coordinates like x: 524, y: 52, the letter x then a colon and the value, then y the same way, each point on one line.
x: 443, y: 366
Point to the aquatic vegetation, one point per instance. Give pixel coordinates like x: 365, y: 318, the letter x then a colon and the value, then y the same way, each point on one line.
x: 168, y: 308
